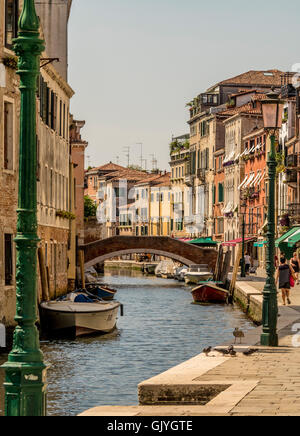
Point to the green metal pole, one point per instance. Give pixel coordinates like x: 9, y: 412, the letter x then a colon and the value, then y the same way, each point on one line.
x: 243, y: 273
x: 25, y: 371
x: 270, y: 306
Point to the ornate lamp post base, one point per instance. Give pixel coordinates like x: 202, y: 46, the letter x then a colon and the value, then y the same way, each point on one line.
x: 25, y: 389
x: 25, y: 371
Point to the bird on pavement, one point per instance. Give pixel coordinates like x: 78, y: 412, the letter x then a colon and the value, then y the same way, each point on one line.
x: 232, y: 352
x: 224, y: 352
x: 206, y: 351
x: 250, y: 352
x: 238, y: 334
x: 227, y: 352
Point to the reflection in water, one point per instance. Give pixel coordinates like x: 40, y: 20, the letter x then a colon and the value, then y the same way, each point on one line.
x: 160, y: 329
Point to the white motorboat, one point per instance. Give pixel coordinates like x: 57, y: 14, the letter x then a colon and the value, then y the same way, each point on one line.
x: 197, y: 274
x: 180, y: 273
x: 165, y: 269
x: 79, y: 318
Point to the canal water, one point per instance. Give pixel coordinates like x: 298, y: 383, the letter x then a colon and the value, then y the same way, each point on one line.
x: 161, y: 328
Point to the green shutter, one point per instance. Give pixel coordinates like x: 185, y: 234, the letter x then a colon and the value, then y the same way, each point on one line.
x: 221, y: 193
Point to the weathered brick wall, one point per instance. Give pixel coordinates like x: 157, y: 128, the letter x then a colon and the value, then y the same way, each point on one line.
x: 56, y: 257
x: 171, y: 247
x: 9, y: 92
x: 93, y: 231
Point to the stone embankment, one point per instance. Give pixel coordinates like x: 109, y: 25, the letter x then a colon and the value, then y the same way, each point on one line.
x: 265, y: 383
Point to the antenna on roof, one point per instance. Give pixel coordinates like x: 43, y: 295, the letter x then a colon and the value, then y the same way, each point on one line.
x: 154, y: 162
x: 117, y: 159
x: 127, y: 151
x: 141, y: 144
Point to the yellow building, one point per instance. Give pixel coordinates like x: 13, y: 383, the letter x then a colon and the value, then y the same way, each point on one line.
x: 179, y: 163
x: 153, y: 206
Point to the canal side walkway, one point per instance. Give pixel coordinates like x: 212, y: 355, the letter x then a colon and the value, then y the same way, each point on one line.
x: 266, y: 383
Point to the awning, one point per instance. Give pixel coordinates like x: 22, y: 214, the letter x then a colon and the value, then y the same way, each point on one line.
x: 242, y: 184
x: 291, y: 238
x: 207, y: 242
x: 285, y: 238
x: 228, y: 208
x: 262, y: 176
x: 249, y: 180
x: 237, y: 241
x: 254, y: 182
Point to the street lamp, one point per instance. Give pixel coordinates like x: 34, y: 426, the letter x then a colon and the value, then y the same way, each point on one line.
x: 272, y: 109
x: 243, y: 265
x: 25, y: 370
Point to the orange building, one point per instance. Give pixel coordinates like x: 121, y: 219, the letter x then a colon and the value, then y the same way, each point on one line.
x: 253, y: 189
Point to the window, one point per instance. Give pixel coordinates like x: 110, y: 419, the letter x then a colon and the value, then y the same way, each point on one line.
x: 11, y: 21
x: 8, y: 136
x: 8, y: 259
x: 221, y: 193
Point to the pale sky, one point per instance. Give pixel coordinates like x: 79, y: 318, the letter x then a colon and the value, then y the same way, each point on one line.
x: 134, y: 64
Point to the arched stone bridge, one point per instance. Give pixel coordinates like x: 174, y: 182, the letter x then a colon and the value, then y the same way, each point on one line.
x: 99, y: 251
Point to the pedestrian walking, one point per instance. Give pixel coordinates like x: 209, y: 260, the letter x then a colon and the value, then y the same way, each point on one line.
x: 295, y: 262
x: 247, y: 263
x: 285, y: 276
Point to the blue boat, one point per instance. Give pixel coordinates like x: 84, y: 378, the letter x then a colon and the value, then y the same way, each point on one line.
x: 103, y: 292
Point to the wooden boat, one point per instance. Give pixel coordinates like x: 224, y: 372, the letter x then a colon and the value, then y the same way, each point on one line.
x: 103, y: 292
x: 79, y: 318
x: 210, y: 293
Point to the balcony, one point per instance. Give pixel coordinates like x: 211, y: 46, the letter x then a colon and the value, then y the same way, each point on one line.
x: 294, y: 212
x: 291, y: 177
x: 201, y: 175
x: 189, y: 179
x: 292, y: 160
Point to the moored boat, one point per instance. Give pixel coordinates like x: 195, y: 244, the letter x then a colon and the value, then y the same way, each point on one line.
x: 197, y: 273
x: 149, y: 268
x: 209, y: 293
x: 180, y: 273
x: 101, y: 291
x: 165, y: 269
x: 79, y: 315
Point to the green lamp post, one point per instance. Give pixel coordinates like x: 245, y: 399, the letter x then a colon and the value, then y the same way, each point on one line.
x: 25, y: 370
x: 243, y: 265
x: 272, y: 109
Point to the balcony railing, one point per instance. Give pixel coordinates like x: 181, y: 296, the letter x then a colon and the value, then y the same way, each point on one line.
x: 291, y: 176
x: 201, y: 175
x: 294, y: 209
x: 292, y: 160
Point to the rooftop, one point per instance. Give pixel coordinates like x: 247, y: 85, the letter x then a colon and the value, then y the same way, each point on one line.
x: 254, y: 78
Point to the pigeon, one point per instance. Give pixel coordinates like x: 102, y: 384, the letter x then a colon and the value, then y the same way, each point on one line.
x: 225, y: 352
x: 232, y: 352
x: 206, y: 351
x: 238, y: 334
x: 250, y: 352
